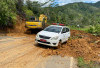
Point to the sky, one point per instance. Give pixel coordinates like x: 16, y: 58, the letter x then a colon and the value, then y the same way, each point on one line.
x: 63, y: 2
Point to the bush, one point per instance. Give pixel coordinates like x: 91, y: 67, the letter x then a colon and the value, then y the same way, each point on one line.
x: 94, y: 30
x: 7, y: 13
x: 28, y: 13
x: 83, y: 64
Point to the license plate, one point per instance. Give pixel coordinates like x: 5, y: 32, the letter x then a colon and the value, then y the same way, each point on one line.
x: 42, y: 40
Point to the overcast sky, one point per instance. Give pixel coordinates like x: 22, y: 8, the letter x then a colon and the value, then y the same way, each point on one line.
x: 63, y: 2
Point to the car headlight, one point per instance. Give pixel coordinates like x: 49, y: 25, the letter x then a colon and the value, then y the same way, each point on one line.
x: 54, y: 38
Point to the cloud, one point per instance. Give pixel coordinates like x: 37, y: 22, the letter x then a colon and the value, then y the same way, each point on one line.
x: 41, y: 1
x: 63, y: 2
x: 91, y: 1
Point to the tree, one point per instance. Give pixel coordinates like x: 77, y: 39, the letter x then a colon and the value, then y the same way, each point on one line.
x: 7, y: 12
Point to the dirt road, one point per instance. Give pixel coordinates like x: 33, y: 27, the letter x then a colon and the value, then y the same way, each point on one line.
x: 20, y: 52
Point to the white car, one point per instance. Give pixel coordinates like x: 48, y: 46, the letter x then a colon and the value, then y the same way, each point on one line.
x: 53, y: 35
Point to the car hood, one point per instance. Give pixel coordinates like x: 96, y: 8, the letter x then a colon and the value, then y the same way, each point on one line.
x: 49, y: 34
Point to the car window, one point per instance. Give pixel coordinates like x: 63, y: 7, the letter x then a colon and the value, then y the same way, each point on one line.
x: 53, y: 29
x: 32, y: 19
x: 67, y: 29
x: 64, y: 30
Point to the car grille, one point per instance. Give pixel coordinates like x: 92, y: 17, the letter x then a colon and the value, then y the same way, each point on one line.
x: 44, y: 37
x: 43, y: 42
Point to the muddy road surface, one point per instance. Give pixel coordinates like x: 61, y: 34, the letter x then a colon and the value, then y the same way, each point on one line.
x: 21, y: 52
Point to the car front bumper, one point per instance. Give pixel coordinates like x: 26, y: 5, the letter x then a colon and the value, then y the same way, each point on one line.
x: 53, y: 43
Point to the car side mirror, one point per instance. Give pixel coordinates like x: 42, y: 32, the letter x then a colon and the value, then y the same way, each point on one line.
x: 67, y: 30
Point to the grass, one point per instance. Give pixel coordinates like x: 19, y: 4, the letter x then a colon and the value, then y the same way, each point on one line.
x: 79, y: 28
x: 95, y: 30
x: 84, y: 64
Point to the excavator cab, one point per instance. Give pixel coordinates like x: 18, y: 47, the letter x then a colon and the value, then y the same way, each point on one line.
x: 35, y: 23
x: 32, y: 19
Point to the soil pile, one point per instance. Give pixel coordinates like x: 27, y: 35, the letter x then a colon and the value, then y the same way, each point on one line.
x: 81, y: 44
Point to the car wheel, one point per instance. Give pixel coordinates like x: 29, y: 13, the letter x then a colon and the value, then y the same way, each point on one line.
x: 59, y: 44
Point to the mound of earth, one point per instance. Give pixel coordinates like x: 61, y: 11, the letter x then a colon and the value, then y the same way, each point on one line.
x: 81, y: 44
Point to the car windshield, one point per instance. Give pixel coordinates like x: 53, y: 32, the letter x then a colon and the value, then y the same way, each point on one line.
x: 53, y: 29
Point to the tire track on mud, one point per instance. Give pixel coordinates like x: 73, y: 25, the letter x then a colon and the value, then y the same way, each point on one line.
x: 14, y: 52
x: 27, y: 60
x: 20, y: 53
x: 6, y: 47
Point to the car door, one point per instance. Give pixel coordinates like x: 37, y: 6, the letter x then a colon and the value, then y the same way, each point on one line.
x: 63, y: 34
x: 67, y: 34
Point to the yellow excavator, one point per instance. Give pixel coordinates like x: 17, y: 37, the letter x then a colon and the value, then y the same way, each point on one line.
x: 37, y: 23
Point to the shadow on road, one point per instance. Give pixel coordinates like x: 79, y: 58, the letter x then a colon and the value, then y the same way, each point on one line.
x: 49, y: 47
x: 45, y: 47
x: 32, y: 31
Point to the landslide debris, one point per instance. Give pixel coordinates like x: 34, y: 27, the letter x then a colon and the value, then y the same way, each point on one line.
x: 81, y: 44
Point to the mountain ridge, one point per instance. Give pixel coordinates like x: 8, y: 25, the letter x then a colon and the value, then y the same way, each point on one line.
x: 79, y: 13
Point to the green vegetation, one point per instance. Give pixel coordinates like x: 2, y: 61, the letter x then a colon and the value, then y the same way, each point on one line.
x: 7, y: 12
x: 94, y: 30
x: 11, y: 9
x: 83, y: 64
x: 75, y: 15
x: 95, y: 4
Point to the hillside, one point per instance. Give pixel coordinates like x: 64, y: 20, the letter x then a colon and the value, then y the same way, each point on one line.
x: 82, y: 14
x: 17, y: 43
x: 96, y: 4
x: 73, y: 14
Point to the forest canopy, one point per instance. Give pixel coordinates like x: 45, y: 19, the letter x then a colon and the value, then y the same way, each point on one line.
x: 73, y: 14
